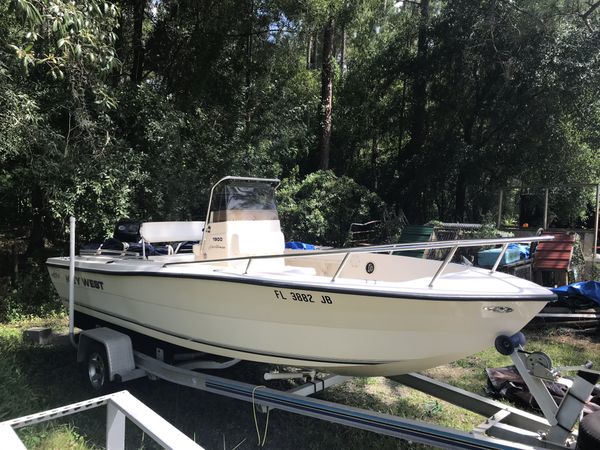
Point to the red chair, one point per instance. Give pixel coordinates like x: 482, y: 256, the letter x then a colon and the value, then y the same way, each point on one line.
x: 554, y: 257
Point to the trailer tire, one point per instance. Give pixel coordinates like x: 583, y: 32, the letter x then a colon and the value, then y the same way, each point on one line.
x: 589, y: 432
x: 97, y: 369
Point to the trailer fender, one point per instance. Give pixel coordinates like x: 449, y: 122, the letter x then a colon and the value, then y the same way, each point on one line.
x: 119, y: 351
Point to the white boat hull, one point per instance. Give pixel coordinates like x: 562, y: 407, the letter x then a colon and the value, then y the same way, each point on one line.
x: 352, y: 327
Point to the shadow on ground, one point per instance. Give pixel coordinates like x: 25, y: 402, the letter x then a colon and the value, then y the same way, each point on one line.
x: 35, y: 378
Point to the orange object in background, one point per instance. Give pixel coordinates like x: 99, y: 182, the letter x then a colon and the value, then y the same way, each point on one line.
x: 525, y: 225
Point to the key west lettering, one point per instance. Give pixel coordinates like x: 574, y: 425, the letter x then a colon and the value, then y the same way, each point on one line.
x: 87, y: 282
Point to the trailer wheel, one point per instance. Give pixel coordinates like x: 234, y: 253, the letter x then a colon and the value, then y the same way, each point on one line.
x: 97, y: 368
x: 589, y: 432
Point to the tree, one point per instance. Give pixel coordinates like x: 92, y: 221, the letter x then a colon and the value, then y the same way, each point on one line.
x: 326, y: 107
x: 435, y: 107
x: 67, y: 52
x: 137, y: 67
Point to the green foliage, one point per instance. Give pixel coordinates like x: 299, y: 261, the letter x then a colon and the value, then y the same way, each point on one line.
x: 74, y: 33
x: 320, y: 208
x: 61, y: 155
x: 511, y: 98
x: 75, y: 39
x: 97, y: 193
x: 32, y: 295
x: 593, y: 273
x: 487, y: 231
x: 50, y: 436
x: 503, y: 95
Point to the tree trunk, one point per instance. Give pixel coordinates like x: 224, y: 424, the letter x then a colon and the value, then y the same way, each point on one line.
x: 248, y: 69
x: 343, y: 50
x: 314, y: 55
x: 464, y: 163
x: 139, y: 7
x: 309, y: 51
x: 116, y: 75
x: 15, y: 274
x: 402, y: 125
x: 403, y: 116
x: 409, y: 163
x: 36, y: 238
x: 374, y: 158
x: 460, y: 196
x: 420, y: 83
x: 326, y: 95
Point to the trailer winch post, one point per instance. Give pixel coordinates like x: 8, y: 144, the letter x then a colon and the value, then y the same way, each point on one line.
x: 72, y: 281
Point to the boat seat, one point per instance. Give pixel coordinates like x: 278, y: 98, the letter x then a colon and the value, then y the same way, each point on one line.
x: 153, y: 232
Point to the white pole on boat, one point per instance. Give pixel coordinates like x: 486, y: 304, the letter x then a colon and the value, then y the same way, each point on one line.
x: 72, y: 282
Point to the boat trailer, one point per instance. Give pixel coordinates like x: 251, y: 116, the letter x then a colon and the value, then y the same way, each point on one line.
x: 111, y: 358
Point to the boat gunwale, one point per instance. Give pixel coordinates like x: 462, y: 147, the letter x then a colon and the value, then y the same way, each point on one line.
x: 330, y: 288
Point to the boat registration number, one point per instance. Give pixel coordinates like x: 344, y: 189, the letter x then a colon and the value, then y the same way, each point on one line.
x: 303, y: 297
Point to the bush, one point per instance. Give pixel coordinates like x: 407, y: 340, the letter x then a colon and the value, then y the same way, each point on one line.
x: 32, y: 295
x: 320, y: 208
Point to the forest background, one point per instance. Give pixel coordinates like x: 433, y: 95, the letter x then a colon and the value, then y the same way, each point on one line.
x: 368, y: 109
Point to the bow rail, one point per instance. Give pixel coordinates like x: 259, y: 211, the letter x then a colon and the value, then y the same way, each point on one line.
x: 388, y: 248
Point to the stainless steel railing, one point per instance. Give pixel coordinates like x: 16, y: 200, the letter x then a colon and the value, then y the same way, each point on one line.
x: 388, y: 248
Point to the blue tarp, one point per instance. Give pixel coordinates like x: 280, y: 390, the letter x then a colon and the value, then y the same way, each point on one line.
x: 524, y: 250
x: 299, y: 246
x: 587, y: 289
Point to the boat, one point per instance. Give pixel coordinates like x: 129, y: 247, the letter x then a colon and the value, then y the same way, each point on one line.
x: 365, y: 311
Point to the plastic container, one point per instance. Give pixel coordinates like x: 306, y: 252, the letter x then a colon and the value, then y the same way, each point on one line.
x: 487, y: 258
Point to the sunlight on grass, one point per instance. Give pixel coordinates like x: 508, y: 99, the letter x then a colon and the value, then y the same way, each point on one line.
x: 53, y: 437
x: 36, y: 378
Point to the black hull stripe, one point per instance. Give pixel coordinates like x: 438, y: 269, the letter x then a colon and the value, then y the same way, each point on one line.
x: 210, y: 344
x: 315, y: 287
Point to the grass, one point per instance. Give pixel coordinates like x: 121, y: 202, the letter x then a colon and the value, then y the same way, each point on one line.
x: 53, y: 437
x: 35, y: 378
